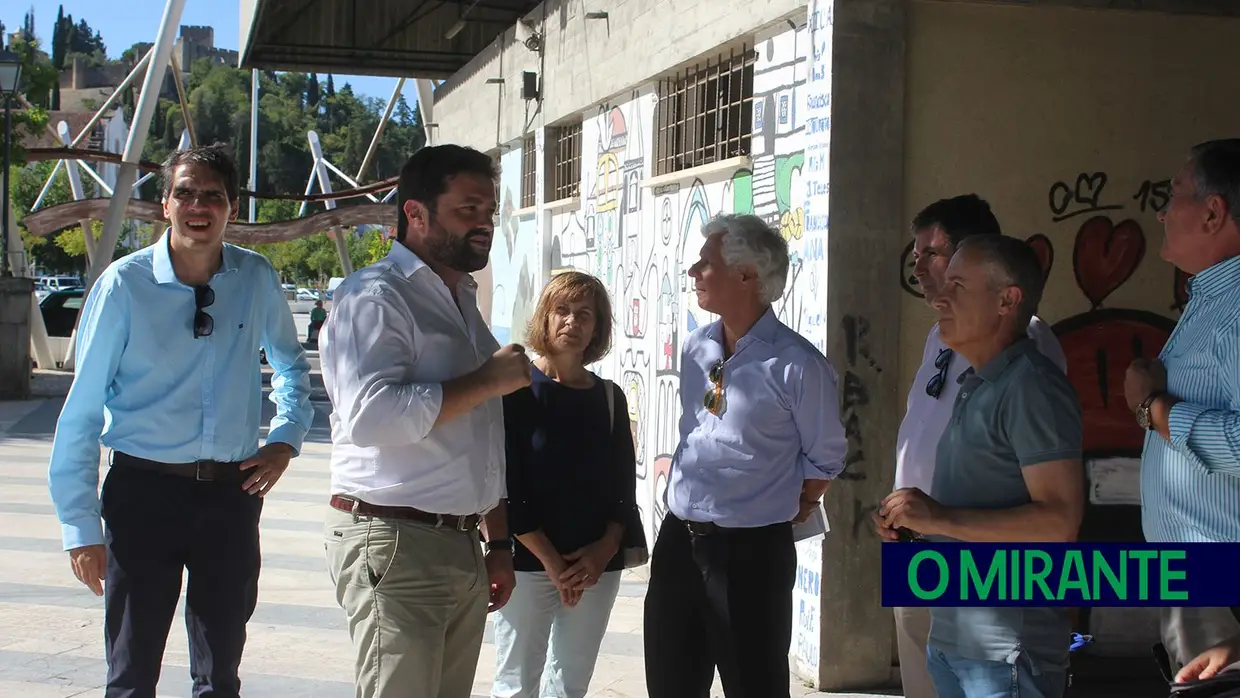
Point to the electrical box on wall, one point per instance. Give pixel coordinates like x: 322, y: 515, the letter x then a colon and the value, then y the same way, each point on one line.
x: 529, y: 85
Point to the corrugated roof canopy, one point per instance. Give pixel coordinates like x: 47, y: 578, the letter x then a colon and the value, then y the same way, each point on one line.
x: 395, y: 38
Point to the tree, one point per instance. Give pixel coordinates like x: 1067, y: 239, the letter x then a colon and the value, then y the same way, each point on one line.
x: 58, y: 53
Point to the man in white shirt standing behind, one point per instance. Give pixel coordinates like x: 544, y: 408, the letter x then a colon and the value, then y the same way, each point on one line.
x: 938, y: 229
x: 415, y: 379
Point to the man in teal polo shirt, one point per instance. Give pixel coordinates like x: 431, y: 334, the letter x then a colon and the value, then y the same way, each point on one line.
x: 1008, y: 469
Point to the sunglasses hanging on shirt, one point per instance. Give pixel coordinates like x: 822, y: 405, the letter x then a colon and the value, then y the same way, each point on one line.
x: 204, y: 324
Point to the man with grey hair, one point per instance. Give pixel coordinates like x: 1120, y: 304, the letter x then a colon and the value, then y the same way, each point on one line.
x: 1007, y: 470
x: 1185, y: 399
x: 937, y: 230
x: 760, y: 440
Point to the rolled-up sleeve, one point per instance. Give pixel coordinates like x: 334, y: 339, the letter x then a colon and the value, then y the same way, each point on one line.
x: 290, y: 382
x: 1213, y: 436
x: 73, y: 473
x: 369, y: 350
x: 816, y: 409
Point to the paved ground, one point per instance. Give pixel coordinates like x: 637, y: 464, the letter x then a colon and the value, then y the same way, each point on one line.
x: 51, y: 645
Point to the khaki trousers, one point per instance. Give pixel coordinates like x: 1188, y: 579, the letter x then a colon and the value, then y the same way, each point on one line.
x: 912, y: 633
x: 416, y: 601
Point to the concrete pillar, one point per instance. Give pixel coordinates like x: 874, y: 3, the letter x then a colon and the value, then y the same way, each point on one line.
x: 15, y: 365
x: 867, y: 233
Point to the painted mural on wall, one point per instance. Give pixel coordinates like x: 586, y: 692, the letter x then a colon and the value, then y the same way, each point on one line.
x: 1109, y: 246
x: 516, y: 268
x: 641, y: 240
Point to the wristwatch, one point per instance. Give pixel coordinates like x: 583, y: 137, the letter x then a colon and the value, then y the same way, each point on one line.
x: 1144, y: 418
x: 503, y: 544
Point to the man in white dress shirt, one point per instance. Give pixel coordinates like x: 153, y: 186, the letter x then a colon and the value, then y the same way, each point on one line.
x: 938, y: 229
x: 416, y: 381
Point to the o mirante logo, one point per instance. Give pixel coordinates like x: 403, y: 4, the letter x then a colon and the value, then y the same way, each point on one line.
x: 1049, y: 574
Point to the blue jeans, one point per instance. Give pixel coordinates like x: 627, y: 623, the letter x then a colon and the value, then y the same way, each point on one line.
x: 958, y: 677
x: 544, y: 649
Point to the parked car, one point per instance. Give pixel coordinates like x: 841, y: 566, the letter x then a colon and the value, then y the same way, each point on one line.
x: 60, y: 311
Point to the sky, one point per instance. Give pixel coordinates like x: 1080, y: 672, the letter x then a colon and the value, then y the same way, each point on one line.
x: 123, y: 23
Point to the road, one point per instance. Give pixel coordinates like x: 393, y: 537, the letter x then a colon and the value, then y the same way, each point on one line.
x: 52, y: 642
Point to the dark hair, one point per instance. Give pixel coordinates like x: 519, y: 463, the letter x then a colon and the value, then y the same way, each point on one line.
x: 1216, y: 170
x: 1013, y: 263
x: 960, y: 217
x: 217, y: 157
x: 424, y: 178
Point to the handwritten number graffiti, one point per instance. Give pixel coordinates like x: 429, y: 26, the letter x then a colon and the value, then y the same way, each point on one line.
x: 1153, y: 195
x: 1086, y: 197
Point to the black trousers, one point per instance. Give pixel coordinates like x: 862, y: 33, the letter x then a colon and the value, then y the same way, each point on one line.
x: 723, y: 600
x: 156, y: 526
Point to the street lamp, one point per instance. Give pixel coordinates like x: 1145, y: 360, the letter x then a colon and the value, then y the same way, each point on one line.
x: 10, y: 77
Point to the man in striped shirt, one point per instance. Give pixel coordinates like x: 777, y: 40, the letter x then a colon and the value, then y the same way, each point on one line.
x: 1188, y: 399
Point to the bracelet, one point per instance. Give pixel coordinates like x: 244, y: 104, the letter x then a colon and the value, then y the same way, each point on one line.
x: 501, y: 544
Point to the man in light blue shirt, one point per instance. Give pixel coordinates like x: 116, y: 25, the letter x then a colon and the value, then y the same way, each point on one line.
x: 168, y: 378
x: 761, y: 438
x: 1188, y: 399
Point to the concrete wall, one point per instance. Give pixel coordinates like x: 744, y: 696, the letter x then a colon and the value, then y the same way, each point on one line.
x: 587, y: 61
x: 1070, y: 123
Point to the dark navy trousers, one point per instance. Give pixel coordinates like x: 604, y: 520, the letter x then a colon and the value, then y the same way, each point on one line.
x: 157, y: 526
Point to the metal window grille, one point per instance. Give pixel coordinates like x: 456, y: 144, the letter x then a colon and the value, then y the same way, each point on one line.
x: 705, y: 112
x: 563, y: 162
x: 528, y: 170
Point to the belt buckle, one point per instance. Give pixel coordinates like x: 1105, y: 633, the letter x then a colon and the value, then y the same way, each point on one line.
x: 198, y: 471
x: 463, y: 524
x: 697, y: 528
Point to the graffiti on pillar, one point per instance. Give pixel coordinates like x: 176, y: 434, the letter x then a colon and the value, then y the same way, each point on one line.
x: 807, y: 607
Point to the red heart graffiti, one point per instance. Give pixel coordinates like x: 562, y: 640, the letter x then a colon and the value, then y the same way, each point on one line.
x: 1045, y: 251
x: 1106, y: 255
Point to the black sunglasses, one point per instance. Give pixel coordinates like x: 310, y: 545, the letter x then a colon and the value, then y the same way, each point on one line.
x: 204, y: 324
x: 934, y: 387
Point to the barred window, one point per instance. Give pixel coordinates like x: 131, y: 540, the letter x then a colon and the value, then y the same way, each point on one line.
x: 528, y: 170
x: 563, y: 163
x: 705, y: 112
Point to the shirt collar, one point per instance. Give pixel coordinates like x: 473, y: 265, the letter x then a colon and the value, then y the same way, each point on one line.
x: 410, y: 263
x: 763, y: 330
x: 1223, y: 276
x: 997, y: 365
x: 161, y: 260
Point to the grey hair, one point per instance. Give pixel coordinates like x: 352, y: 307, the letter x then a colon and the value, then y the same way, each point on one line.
x: 748, y: 241
x: 1216, y: 172
x: 1012, y: 262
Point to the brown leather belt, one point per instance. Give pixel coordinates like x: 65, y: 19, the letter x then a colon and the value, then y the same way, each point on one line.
x: 202, y: 471
x: 356, y: 506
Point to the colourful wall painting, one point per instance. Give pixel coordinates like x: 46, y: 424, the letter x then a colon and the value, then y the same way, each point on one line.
x: 640, y: 239
x: 516, y: 257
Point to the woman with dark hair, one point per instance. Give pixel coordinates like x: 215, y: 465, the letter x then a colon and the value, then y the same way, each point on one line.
x: 571, y: 498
